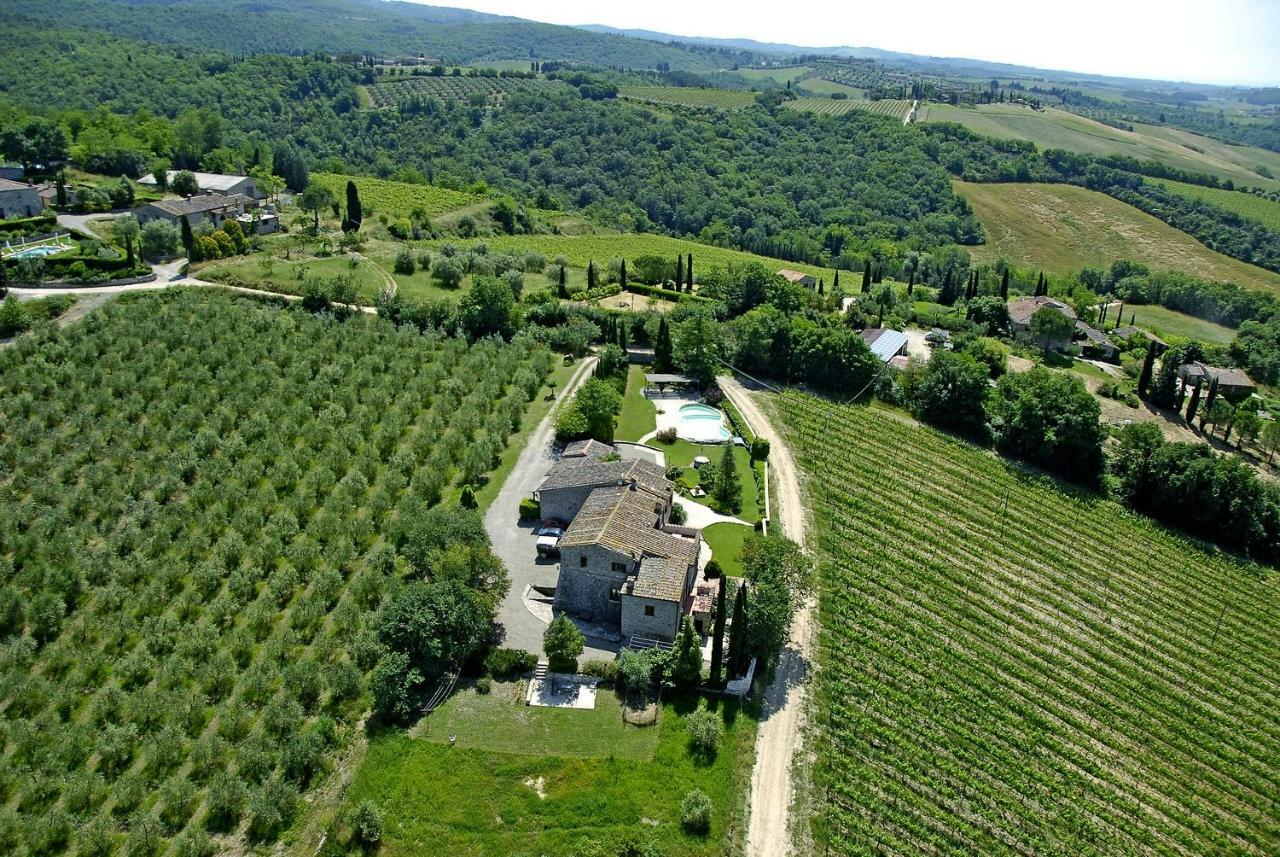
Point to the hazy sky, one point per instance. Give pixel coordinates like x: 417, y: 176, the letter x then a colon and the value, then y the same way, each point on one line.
x: 1213, y: 41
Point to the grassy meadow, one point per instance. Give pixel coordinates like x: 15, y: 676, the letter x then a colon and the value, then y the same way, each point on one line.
x: 1053, y: 128
x: 1061, y: 228
x: 1010, y: 668
x: 1265, y: 211
x: 522, y: 794
x: 1166, y: 322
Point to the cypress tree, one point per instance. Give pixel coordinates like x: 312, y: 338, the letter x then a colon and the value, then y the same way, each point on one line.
x: 622, y: 337
x: 128, y: 250
x: 738, y: 633
x: 563, y: 284
x: 662, y: 348
x: 878, y: 274
x: 355, y: 212
x: 688, y: 274
x: 866, y: 276
x: 679, y: 271
x: 1120, y: 314
x: 622, y: 275
x: 1144, y: 380
x: 188, y: 239
x: 835, y: 284
x: 1133, y: 318
x: 686, y: 670
x: 591, y: 275
x: 717, y: 635
x: 1195, y: 401
x: 1004, y: 285
x: 821, y: 287
x: 1102, y: 316
x: 62, y: 189
x: 911, y: 282
x: 947, y: 294
x: 1209, y: 400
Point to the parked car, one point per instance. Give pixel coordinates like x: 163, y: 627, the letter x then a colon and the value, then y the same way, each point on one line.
x: 549, y: 533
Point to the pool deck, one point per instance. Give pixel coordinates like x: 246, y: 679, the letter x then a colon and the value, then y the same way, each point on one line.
x: 668, y: 416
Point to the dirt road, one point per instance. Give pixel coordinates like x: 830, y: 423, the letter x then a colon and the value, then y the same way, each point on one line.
x: 780, y: 738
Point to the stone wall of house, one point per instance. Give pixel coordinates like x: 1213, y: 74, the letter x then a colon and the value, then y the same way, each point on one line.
x: 25, y: 202
x: 585, y: 591
x: 563, y: 503
x: 662, y: 625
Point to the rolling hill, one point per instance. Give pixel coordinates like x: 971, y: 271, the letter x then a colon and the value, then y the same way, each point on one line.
x: 1061, y: 228
x: 1052, y: 128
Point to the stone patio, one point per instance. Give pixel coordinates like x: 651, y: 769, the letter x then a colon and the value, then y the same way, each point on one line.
x: 558, y: 690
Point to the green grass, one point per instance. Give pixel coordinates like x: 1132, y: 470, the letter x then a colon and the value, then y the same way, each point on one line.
x: 1052, y: 128
x: 1062, y: 228
x: 688, y: 96
x: 777, y: 75
x: 1075, y: 677
x: 725, y: 541
x: 1166, y: 322
x: 579, y: 249
x: 1265, y: 211
x: 287, y: 276
x: 395, y: 199
x: 437, y: 799
x: 638, y: 416
x: 682, y: 453
x: 818, y: 86
x: 500, y: 722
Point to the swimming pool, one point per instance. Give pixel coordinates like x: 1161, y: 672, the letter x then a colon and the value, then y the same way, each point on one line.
x: 702, y: 424
x: 36, y: 252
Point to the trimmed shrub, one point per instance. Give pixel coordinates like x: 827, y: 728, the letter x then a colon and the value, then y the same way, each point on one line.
x: 530, y: 509
x: 606, y: 671
x: 505, y: 664
x: 705, y: 731
x: 484, y: 685
x: 695, y: 812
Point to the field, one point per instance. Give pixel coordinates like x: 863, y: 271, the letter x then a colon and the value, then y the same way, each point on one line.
x: 578, y: 250
x: 469, y: 802
x: 777, y: 75
x: 1062, y: 228
x: 489, y: 90
x: 1166, y: 322
x: 200, y: 496
x: 820, y: 86
x: 1060, y: 678
x: 716, y: 99
x: 1265, y: 211
x: 395, y: 199
x: 1052, y: 128
x: 839, y: 107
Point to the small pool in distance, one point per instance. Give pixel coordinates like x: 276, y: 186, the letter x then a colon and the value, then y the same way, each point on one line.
x: 36, y: 252
x: 702, y: 424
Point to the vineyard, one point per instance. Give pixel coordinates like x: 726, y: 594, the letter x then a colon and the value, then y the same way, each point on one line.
x: 201, y: 503
x: 898, y: 109
x: 396, y: 199
x: 488, y: 90
x: 682, y: 96
x: 1259, y: 208
x: 1006, y: 668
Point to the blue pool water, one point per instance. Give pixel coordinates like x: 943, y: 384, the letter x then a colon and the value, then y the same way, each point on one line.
x: 702, y: 423
x: 36, y: 252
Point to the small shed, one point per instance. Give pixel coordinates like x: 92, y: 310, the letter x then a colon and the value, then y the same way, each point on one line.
x: 799, y: 278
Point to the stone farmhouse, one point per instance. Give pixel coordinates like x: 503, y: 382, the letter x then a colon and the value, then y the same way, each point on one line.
x: 226, y: 185
x: 212, y: 208
x: 798, y: 277
x: 1022, y: 309
x: 622, y: 564
x: 18, y: 199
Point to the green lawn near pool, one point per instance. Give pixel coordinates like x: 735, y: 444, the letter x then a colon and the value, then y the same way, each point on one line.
x: 638, y: 416
x: 725, y: 541
x: 457, y: 800
x: 500, y: 721
x: 682, y: 453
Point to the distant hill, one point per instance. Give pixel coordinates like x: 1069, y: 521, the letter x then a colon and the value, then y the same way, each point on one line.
x: 373, y: 27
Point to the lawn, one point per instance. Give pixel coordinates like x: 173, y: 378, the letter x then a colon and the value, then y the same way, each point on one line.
x: 725, y: 541
x: 1052, y: 128
x: 638, y: 416
x: 273, y: 274
x: 1166, y: 322
x: 1006, y: 667
x: 777, y: 75
x: 437, y: 799
x: 1062, y: 228
x: 818, y: 86
x: 682, y: 453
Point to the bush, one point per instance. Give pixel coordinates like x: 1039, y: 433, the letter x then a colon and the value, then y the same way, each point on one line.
x: 635, y: 670
x: 695, y: 812
x: 530, y: 509
x: 366, y: 824
x: 713, y: 570
x: 404, y: 263
x: 667, y: 436
x: 505, y: 664
x: 759, y: 449
x: 678, y: 514
x: 705, y: 731
x: 484, y: 685
x: 563, y: 643
x: 606, y: 671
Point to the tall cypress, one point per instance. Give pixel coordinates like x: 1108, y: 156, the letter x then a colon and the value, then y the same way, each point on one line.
x: 835, y: 284
x: 1120, y: 315
x: 866, y: 276
x: 1144, y: 380
x: 591, y: 275
x: 662, y: 348
x: 188, y: 239
x: 355, y: 212
x: 622, y: 337
x: 563, y: 284
x: 622, y: 275
x: 688, y: 274
x: 1195, y: 401
x: 911, y: 282
x: 821, y: 286
x: 679, y: 271
x: 62, y: 190
x: 1102, y: 316
x: 1209, y: 400
x: 128, y: 250
x: 717, y: 634
x: 1004, y: 285
x: 738, y: 633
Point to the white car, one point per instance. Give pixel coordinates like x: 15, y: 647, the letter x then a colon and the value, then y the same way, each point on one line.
x: 549, y: 540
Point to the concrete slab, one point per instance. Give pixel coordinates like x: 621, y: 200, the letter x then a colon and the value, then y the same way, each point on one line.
x: 558, y: 690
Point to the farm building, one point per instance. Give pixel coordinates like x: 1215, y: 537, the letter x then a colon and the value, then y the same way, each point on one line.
x: 800, y: 279
x: 1129, y: 331
x: 1096, y: 344
x: 884, y: 343
x: 621, y: 564
x: 217, y: 183
x: 1022, y: 309
x: 1233, y: 384
x: 214, y: 209
x: 19, y: 200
